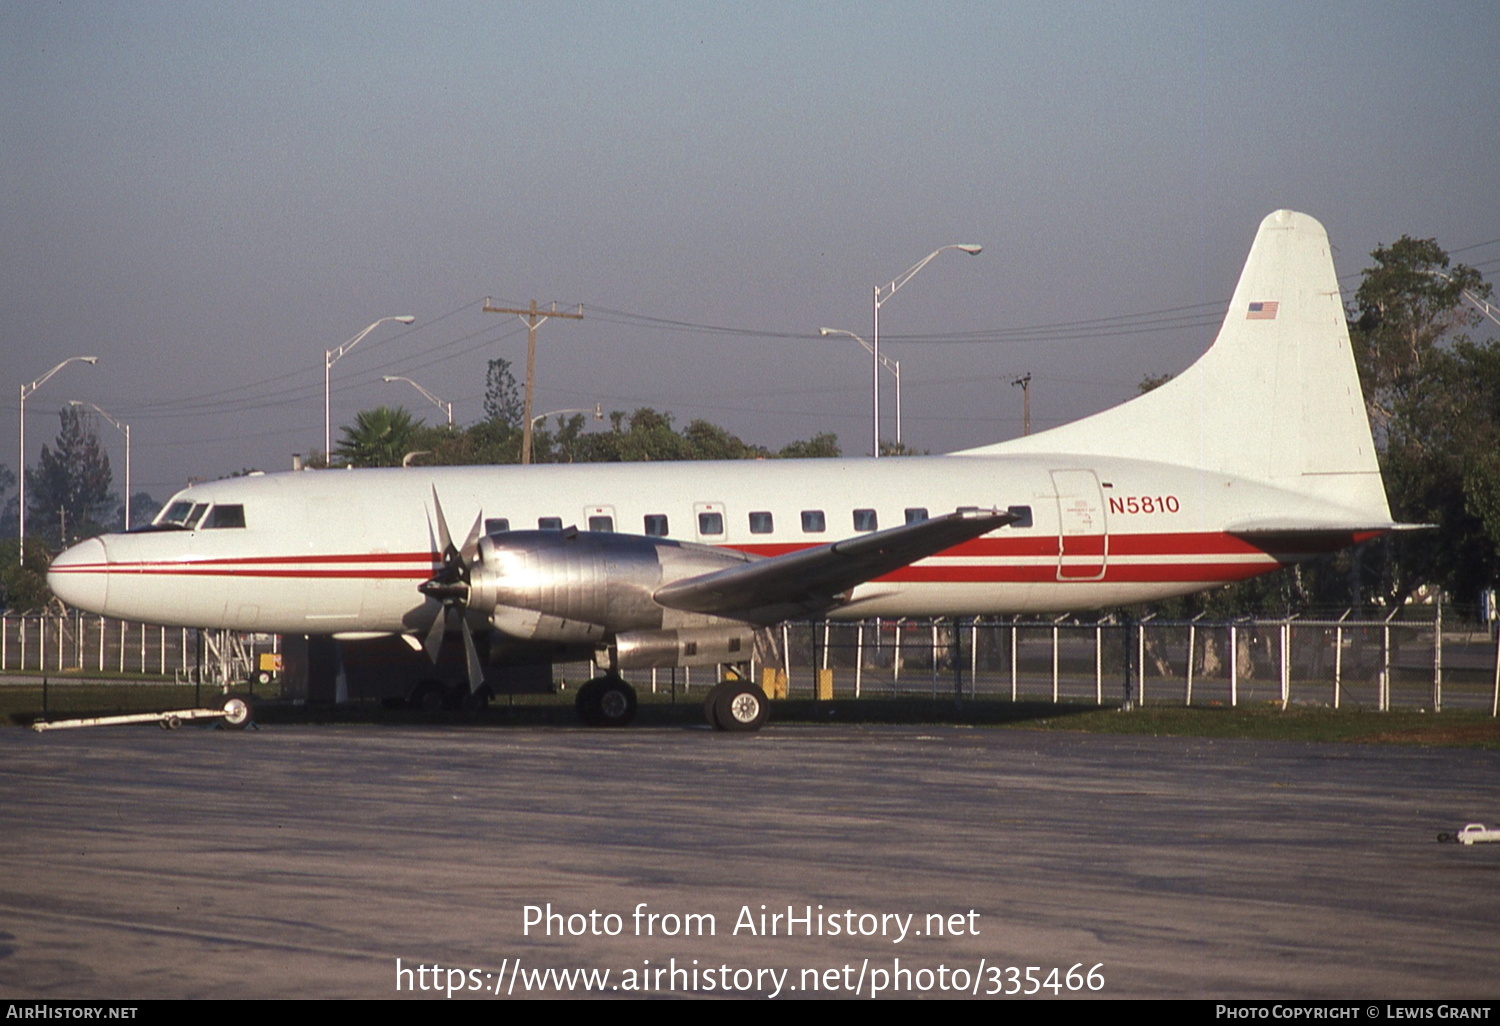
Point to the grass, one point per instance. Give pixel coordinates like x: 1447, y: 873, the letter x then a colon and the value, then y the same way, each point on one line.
x: 22, y: 703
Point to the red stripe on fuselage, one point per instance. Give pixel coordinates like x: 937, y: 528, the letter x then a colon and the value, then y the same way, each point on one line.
x: 421, y: 565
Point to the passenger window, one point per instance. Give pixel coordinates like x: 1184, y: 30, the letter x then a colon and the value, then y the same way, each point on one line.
x: 549, y: 523
x: 225, y: 516
x: 711, y: 523
x: 760, y: 523
x: 916, y: 514
x: 656, y: 525
x: 864, y: 520
x: 601, y: 523
x: 1023, y: 513
x: 496, y: 525
x: 812, y: 521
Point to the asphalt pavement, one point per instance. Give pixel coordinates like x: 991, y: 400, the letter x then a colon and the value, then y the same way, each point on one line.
x: 380, y: 861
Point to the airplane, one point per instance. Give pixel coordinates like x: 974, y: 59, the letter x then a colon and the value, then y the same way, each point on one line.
x: 1257, y: 456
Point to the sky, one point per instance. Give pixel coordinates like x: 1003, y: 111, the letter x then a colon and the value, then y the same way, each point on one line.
x: 209, y: 197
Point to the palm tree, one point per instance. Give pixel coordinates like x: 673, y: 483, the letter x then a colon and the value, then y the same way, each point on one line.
x: 379, y: 437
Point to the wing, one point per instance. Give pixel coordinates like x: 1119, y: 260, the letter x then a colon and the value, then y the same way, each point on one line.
x: 807, y: 581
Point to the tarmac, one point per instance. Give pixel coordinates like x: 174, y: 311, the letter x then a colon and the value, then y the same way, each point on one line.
x: 369, y: 861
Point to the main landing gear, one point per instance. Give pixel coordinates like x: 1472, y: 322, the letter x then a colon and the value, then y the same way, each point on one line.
x: 737, y: 706
x: 606, y: 702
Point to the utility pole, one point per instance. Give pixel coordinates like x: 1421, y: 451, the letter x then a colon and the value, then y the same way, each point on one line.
x: 533, y: 318
x: 1025, y: 382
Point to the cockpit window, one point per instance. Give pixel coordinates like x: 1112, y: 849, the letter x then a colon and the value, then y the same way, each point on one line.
x: 224, y: 515
x: 175, y: 515
x: 184, y: 515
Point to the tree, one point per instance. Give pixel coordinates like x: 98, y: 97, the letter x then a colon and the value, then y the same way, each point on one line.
x: 1407, y: 304
x: 9, y: 517
x: 23, y: 582
x: 820, y: 446
x: 502, y: 396
x: 888, y: 448
x: 711, y: 442
x: 379, y: 438
x: 68, y: 494
x: 1433, y: 397
x: 143, y: 509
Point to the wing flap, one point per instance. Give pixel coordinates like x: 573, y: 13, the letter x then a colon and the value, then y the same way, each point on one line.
x: 810, y: 580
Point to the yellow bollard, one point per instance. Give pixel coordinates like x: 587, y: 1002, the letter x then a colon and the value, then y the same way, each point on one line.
x: 825, y: 685
x: 773, y: 682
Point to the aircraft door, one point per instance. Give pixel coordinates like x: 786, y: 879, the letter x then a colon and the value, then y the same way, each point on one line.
x: 1082, y: 535
x: 329, y: 596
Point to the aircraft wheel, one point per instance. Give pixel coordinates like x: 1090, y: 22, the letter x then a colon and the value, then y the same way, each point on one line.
x: 585, y: 699
x: 238, y: 711
x: 711, y: 706
x: 740, y: 707
x: 429, y: 697
x: 261, y: 677
x: 474, y: 701
x: 606, y: 702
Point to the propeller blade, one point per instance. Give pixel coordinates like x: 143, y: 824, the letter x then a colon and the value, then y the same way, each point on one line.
x: 450, y: 586
x: 445, y: 540
x: 434, y: 640
x: 471, y: 543
x: 476, y: 669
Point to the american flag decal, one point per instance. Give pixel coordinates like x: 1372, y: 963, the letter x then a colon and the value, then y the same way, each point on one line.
x: 1262, y: 312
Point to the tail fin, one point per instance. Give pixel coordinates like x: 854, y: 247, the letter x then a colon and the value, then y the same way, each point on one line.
x: 1276, y: 398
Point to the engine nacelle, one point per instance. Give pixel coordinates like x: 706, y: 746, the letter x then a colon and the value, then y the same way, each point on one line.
x: 704, y: 646
x: 578, y: 586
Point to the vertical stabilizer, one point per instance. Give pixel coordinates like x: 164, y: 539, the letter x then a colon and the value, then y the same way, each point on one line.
x: 1275, y: 399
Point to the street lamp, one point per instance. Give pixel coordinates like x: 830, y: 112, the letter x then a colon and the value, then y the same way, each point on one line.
x: 894, y: 366
x: 330, y: 357
x: 125, y: 428
x: 883, y: 293
x: 26, y: 390
x: 440, y: 404
x: 597, y: 411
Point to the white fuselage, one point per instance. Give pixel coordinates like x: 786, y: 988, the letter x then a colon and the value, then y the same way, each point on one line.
x: 343, y: 552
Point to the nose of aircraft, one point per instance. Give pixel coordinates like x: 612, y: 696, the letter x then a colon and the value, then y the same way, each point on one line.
x: 80, y: 576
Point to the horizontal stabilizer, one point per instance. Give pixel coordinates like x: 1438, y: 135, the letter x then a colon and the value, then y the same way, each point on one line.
x: 1308, y: 525
x: 810, y: 580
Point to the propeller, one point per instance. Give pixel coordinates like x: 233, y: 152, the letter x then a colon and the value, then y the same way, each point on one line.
x: 450, y: 586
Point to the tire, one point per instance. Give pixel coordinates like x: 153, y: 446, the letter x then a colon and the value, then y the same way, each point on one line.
x: 607, y: 702
x: 711, y: 706
x: 740, y: 708
x: 238, y: 712
x: 261, y: 677
x: 586, y: 699
x: 474, y: 701
x: 430, y: 696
